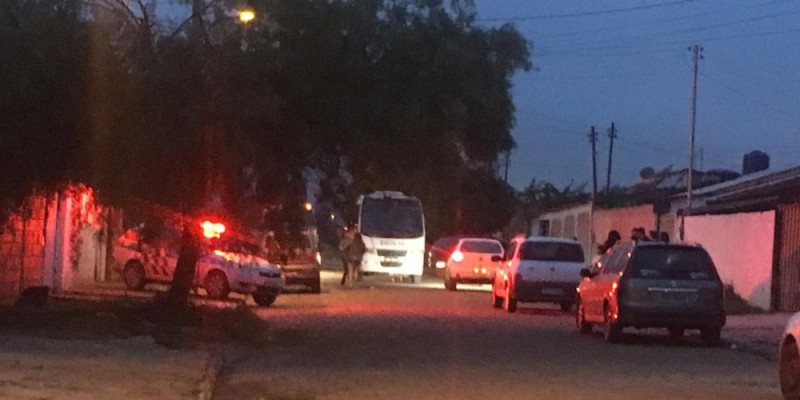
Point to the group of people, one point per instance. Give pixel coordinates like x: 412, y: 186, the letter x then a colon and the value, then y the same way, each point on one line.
x: 638, y: 234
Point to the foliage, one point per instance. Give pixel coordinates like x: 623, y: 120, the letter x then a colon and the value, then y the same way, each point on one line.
x: 42, y: 94
x: 411, y: 94
x: 542, y: 196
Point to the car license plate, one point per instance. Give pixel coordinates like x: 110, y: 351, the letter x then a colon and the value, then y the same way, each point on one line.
x: 553, y: 291
x: 677, y: 297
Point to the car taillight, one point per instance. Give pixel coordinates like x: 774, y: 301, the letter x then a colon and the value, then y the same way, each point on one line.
x: 457, y: 256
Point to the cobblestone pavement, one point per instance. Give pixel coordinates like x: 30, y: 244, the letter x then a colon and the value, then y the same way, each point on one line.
x: 136, y: 368
x: 385, y: 342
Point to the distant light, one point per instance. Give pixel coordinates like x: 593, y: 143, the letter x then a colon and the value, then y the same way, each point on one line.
x: 247, y: 16
x: 440, y: 264
x: 307, y: 205
x: 333, y: 217
x: 319, y: 258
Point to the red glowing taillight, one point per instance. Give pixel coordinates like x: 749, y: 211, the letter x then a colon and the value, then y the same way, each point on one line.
x: 457, y: 256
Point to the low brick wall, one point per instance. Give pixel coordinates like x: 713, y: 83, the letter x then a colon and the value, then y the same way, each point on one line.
x: 22, y: 250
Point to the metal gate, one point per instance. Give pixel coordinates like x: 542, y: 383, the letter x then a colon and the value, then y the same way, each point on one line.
x: 788, y: 263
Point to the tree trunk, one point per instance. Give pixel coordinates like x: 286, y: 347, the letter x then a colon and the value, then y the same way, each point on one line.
x: 177, y: 300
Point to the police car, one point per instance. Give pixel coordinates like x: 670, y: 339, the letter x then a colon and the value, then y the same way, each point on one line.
x: 226, y: 266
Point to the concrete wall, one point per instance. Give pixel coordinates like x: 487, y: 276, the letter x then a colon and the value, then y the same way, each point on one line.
x: 57, y: 242
x: 575, y: 222
x: 741, y: 246
x: 570, y: 223
x: 22, y: 250
x: 623, y: 220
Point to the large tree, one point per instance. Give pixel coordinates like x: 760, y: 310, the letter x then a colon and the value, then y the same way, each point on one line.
x: 410, y: 95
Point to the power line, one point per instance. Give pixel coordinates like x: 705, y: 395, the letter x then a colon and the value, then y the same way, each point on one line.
x: 585, y: 13
x: 615, y: 43
x: 633, y: 143
x: 760, y: 85
x: 658, y: 22
x: 749, y: 97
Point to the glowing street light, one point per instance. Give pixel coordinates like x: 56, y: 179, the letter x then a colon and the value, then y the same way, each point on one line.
x: 307, y: 205
x: 247, y: 16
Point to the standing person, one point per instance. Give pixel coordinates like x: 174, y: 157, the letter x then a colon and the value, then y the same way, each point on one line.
x: 355, y: 253
x: 348, y: 236
x: 612, y: 239
x: 638, y: 234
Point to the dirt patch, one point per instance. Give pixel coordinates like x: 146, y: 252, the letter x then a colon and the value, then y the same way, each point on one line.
x: 98, y: 320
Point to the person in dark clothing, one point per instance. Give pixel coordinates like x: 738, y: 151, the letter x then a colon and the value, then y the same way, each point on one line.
x: 665, y: 237
x: 611, y: 240
x: 639, y: 235
x: 352, y: 249
x: 344, y: 245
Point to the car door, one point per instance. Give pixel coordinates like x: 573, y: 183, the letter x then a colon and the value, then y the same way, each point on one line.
x: 601, y: 283
x: 503, y: 269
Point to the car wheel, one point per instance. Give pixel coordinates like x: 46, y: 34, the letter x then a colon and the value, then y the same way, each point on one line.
x: 264, y: 299
x: 789, y: 370
x: 566, y: 306
x: 497, y: 302
x: 509, y: 303
x: 216, y: 285
x: 584, y: 327
x: 134, y: 275
x: 612, y: 330
x: 315, y: 287
x: 449, y: 283
x: 710, y: 336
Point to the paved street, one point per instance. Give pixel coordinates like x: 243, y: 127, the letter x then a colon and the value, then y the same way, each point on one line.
x: 389, y: 342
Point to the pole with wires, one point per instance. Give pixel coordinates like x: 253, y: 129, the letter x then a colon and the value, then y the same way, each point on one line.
x: 696, y: 57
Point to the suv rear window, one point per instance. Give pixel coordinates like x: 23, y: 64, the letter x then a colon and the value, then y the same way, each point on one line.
x: 670, y: 262
x: 446, y: 243
x: 481, y: 246
x: 543, y: 251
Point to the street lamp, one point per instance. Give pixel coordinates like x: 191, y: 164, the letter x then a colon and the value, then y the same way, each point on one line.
x: 246, y: 16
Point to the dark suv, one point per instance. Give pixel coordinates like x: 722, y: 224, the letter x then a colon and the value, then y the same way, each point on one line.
x: 653, y: 284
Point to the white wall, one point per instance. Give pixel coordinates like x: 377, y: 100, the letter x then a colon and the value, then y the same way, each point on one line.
x: 741, y: 246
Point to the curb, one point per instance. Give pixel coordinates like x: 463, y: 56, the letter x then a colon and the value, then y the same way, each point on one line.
x: 211, y: 371
x: 765, y: 351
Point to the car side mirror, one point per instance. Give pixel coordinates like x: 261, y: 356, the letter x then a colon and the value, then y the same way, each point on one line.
x: 586, y: 273
x: 497, y: 258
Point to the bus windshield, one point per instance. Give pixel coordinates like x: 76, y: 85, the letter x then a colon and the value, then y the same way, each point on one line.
x: 392, y: 218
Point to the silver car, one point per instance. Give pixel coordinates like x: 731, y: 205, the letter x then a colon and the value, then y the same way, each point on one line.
x: 790, y: 359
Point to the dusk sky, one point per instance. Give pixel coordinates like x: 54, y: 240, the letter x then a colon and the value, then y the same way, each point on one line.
x: 627, y: 61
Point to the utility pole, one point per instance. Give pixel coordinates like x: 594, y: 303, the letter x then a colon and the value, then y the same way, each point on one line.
x: 696, y: 57
x: 612, y: 134
x: 593, y: 141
